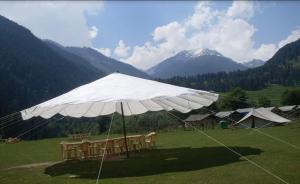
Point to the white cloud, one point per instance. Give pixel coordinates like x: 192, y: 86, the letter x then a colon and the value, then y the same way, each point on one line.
x: 93, y: 32
x: 202, y: 15
x: 295, y: 35
x: 208, y: 29
x: 265, y: 51
x: 104, y: 51
x: 241, y: 9
x: 122, y: 51
x: 63, y: 22
x: 231, y: 37
x: 228, y: 32
x: 167, y: 40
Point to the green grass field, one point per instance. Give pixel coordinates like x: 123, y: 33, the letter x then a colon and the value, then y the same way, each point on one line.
x: 180, y: 157
x: 273, y: 92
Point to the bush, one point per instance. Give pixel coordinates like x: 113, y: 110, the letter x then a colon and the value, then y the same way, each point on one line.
x: 235, y: 99
x: 291, y: 97
x: 264, y: 101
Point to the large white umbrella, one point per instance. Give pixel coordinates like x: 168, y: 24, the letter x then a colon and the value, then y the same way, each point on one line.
x: 124, y: 94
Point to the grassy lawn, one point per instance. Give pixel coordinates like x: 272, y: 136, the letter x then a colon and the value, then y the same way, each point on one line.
x: 180, y: 157
x: 273, y: 92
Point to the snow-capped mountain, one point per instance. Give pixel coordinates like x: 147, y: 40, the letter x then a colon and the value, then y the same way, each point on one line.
x: 193, y: 62
x: 202, y: 52
x: 188, y: 54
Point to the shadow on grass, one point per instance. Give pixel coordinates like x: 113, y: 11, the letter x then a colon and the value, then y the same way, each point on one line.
x: 153, y: 162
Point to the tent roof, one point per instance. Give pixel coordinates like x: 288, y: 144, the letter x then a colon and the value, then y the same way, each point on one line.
x: 265, y: 114
x: 197, y: 117
x: 224, y: 114
x: 270, y: 108
x: 287, y: 108
x: 105, y: 96
x: 244, y: 110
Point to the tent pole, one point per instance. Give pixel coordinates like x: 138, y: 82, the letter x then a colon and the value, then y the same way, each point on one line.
x: 253, y: 122
x: 124, y: 131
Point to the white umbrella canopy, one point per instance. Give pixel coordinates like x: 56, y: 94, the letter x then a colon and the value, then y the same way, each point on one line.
x: 106, y: 95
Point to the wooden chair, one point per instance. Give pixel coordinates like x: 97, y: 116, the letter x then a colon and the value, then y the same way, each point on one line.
x: 69, y: 150
x: 137, y: 142
x: 12, y: 140
x: 142, y: 142
x: 86, y: 136
x: 93, y: 150
x: 80, y: 137
x: 101, y: 148
x: 150, y: 140
x: 119, y: 146
x: 85, y: 150
x: 110, y: 149
x: 132, y: 142
x: 96, y: 149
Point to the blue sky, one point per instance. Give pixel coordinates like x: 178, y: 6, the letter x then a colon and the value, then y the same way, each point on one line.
x: 145, y: 33
x: 134, y: 21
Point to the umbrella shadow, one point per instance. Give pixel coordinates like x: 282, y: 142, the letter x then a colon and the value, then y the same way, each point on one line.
x: 153, y: 162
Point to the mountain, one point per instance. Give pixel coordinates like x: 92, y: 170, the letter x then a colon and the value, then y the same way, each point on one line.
x: 194, y: 62
x: 106, y: 64
x: 63, y: 52
x: 283, y: 68
x: 31, y: 71
x: 254, y: 63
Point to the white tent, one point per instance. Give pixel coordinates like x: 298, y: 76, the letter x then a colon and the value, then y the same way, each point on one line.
x: 137, y: 96
x: 124, y: 94
x: 223, y: 114
x: 270, y: 108
x: 261, y: 117
x: 244, y: 110
x: 287, y: 108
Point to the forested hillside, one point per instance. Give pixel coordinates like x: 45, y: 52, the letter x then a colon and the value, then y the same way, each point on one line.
x: 106, y: 64
x: 31, y: 72
x: 283, y: 68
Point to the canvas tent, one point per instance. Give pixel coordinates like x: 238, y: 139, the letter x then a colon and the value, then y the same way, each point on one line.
x: 229, y: 116
x: 270, y: 108
x: 260, y: 117
x: 287, y: 111
x: 287, y: 108
x: 244, y: 110
x: 201, y: 120
x: 275, y: 110
x: 223, y: 114
x: 124, y: 94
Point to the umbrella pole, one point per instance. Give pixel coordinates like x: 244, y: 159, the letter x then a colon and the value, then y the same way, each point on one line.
x: 124, y: 131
